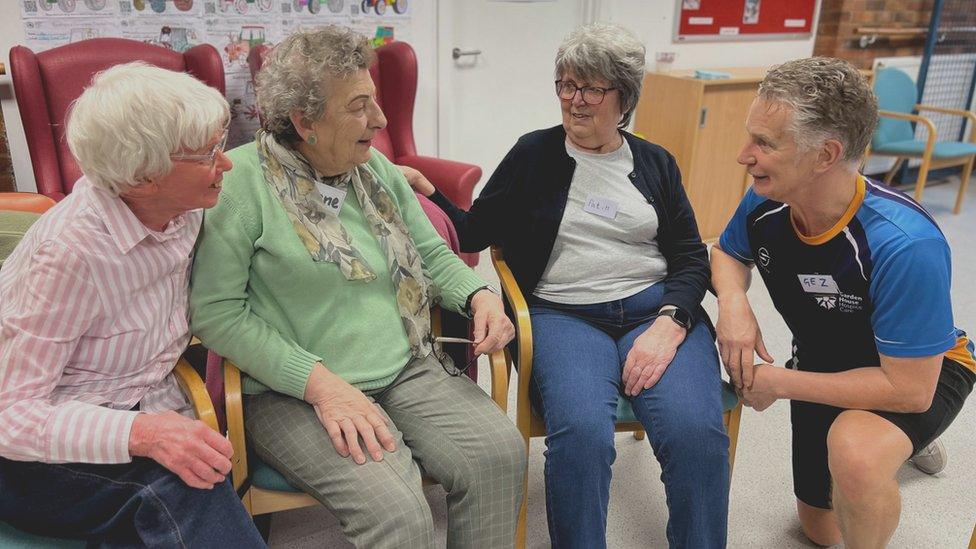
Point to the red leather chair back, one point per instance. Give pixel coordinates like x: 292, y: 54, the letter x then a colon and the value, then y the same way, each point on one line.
x: 48, y: 82
x: 395, y: 77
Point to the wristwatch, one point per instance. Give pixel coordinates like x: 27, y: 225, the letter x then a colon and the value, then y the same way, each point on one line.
x: 467, y: 304
x: 679, y: 316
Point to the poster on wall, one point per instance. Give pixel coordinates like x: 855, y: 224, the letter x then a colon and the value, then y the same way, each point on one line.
x: 714, y: 20
x: 233, y: 27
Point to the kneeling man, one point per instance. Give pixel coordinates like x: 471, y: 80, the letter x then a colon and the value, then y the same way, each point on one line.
x: 860, y: 273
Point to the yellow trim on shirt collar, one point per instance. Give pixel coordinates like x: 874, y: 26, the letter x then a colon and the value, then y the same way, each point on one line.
x: 830, y: 233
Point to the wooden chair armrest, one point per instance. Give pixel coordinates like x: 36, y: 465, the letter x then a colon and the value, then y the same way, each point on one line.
x: 513, y: 295
x: 196, y: 392
x: 911, y: 118
x: 523, y: 334
x: 234, y: 408
x: 499, y: 379
x: 956, y: 112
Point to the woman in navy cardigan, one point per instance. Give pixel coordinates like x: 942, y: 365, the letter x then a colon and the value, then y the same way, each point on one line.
x: 601, y: 238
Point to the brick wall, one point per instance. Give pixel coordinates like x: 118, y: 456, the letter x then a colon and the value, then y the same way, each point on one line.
x: 837, y: 34
x: 6, y: 168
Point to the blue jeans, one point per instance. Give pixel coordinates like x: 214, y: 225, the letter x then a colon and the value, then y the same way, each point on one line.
x: 578, y: 357
x: 137, y: 504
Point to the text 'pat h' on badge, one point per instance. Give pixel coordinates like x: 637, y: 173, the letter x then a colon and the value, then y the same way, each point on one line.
x: 603, y: 207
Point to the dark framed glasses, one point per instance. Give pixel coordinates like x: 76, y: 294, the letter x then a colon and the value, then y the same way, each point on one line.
x: 592, y: 95
x: 445, y: 358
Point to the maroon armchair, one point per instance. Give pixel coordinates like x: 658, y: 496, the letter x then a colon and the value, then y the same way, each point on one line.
x: 395, y: 77
x: 46, y: 83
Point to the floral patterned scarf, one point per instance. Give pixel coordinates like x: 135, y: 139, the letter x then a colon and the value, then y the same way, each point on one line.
x: 293, y: 179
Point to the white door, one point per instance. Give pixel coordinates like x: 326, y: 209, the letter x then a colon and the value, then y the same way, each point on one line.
x: 486, y: 101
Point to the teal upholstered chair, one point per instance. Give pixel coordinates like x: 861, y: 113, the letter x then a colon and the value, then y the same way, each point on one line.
x: 531, y: 425
x: 895, y: 136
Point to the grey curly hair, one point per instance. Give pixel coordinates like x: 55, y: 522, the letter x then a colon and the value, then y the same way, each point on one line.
x: 297, y: 72
x: 830, y: 99
x: 606, y: 51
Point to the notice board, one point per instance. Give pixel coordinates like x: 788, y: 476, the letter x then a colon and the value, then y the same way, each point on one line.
x: 713, y: 20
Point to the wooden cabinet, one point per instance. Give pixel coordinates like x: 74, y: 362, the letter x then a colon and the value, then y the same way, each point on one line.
x: 702, y: 123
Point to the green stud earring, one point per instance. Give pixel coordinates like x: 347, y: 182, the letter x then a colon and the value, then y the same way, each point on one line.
x: 311, y: 139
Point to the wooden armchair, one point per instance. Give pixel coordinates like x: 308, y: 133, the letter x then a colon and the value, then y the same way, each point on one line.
x: 262, y: 488
x: 531, y: 425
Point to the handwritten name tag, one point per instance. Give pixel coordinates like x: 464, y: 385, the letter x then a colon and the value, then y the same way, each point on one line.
x: 818, y: 284
x: 332, y: 197
x: 603, y: 207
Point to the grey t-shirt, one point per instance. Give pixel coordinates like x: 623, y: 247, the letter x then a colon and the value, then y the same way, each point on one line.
x: 605, y: 247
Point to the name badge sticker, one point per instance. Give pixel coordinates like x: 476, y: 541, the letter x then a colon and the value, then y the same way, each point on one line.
x: 331, y: 196
x: 818, y: 284
x: 603, y: 207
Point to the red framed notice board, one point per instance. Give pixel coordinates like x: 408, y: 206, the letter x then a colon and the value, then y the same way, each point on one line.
x: 707, y: 20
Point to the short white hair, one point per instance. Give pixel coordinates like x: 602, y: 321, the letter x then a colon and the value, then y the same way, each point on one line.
x: 124, y: 127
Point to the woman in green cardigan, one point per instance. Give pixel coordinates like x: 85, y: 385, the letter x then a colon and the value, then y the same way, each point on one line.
x: 315, y: 274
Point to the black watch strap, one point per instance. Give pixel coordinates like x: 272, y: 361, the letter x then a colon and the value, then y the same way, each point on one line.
x: 679, y: 316
x: 467, y: 304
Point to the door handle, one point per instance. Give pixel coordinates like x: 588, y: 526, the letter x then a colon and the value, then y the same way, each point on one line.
x: 456, y: 53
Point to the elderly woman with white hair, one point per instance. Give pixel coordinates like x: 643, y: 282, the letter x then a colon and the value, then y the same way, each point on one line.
x: 315, y: 275
x: 97, y: 439
x: 600, y: 236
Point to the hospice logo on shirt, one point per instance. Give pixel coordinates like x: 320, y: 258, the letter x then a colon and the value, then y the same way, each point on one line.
x: 827, y: 301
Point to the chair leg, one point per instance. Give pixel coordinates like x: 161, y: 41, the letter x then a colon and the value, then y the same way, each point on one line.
x: 963, y: 183
x: 732, y: 418
x: 923, y: 174
x: 520, y: 529
x: 639, y: 434
x: 894, y: 169
x: 263, y: 524
x: 523, y: 510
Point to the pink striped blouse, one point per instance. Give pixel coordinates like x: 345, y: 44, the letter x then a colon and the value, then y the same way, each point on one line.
x: 93, y: 316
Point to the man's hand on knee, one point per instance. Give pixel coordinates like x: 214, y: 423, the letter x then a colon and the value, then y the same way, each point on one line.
x: 739, y: 339
x: 187, y: 447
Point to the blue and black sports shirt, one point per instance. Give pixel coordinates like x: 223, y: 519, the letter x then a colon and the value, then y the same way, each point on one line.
x: 876, y: 282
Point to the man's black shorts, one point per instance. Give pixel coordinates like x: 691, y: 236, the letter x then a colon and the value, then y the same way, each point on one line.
x: 811, y: 422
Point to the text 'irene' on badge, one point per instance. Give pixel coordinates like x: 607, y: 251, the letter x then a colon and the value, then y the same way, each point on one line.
x: 603, y: 207
x: 331, y: 196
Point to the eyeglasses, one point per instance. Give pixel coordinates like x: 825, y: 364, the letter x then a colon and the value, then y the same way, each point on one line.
x: 445, y: 358
x: 592, y: 95
x: 208, y: 159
